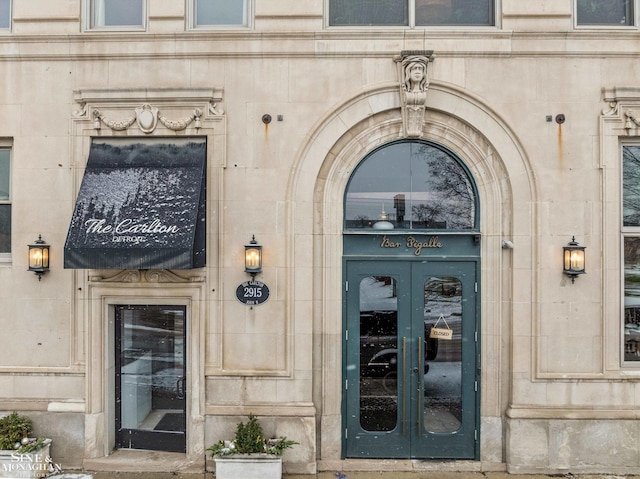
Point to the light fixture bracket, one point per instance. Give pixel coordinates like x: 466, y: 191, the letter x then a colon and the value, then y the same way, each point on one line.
x: 253, y: 257
x: 573, y: 257
x: 39, y: 257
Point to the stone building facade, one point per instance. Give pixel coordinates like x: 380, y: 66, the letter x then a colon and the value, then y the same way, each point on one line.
x: 410, y: 168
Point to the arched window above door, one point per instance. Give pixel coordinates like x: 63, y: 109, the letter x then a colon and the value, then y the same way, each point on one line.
x: 411, y: 185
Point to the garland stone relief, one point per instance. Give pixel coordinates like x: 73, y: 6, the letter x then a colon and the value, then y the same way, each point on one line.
x: 414, y: 82
x: 147, y: 118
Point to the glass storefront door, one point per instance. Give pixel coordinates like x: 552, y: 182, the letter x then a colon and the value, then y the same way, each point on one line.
x: 411, y: 378
x: 150, y: 378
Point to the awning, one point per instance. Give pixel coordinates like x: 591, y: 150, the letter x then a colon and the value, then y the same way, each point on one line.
x: 141, y: 205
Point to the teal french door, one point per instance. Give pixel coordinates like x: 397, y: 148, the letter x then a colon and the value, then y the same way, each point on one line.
x: 407, y: 393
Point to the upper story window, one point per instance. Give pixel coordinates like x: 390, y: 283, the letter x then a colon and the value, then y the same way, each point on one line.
x: 5, y: 202
x: 5, y: 14
x: 220, y: 13
x: 116, y: 14
x: 410, y: 185
x: 604, y: 12
x: 411, y: 13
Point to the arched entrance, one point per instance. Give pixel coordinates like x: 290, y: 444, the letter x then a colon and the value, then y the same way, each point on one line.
x: 411, y: 318
x: 496, y: 160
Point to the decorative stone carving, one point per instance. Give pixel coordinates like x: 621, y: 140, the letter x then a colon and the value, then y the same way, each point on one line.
x: 214, y: 110
x: 82, y: 112
x: 113, y: 124
x: 147, y: 118
x: 177, y: 125
x: 631, y: 120
x: 612, y: 110
x: 414, y: 82
x: 623, y: 104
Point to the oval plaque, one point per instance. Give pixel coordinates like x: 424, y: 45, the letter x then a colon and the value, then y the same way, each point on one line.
x: 252, y: 292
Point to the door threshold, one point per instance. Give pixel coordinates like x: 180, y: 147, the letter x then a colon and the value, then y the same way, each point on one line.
x: 137, y: 460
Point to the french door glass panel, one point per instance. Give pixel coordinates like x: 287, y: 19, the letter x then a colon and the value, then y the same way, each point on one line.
x: 378, y: 353
x: 443, y: 385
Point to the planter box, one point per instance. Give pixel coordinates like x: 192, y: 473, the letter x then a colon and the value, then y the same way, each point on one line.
x: 28, y: 465
x: 249, y: 466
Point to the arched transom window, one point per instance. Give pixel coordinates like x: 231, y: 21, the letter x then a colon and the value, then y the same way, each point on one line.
x: 411, y: 185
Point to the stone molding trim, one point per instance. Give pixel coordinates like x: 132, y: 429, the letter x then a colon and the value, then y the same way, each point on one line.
x: 413, y: 69
x: 623, y: 105
x: 147, y: 118
x: 146, y: 276
x: 619, y: 123
x: 101, y: 106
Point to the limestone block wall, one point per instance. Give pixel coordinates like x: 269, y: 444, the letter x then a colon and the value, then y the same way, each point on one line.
x: 554, y: 384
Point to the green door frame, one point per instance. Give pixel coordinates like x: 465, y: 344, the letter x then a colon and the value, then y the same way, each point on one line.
x: 397, y: 264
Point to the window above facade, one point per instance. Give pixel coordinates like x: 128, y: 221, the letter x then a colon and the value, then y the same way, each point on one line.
x: 408, y: 186
x: 5, y: 202
x: 5, y: 14
x: 116, y: 14
x: 631, y: 250
x: 411, y: 13
x: 604, y: 13
x: 220, y: 13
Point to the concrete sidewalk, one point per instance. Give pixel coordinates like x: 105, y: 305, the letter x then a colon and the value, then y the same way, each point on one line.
x: 348, y: 475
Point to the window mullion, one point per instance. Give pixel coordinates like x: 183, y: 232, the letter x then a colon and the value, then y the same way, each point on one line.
x: 412, y: 13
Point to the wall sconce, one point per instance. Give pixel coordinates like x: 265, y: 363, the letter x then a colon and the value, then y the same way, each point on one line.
x: 39, y: 257
x: 253, y: 257
x: 573, y: 259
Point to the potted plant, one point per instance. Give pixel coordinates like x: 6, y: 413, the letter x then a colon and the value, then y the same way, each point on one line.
x: 249, y: 455
x: 22, y: 456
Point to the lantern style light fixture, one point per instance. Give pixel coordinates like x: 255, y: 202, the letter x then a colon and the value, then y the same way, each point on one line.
x: 574, y: 257
x: 253, y: 257
x: 39, y: 257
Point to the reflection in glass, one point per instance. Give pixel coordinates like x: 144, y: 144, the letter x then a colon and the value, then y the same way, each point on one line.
x: 5, y: 14
x: 368, y: 12
x: 443, y: 371
x: 631, y: 185
x: 5, y: 178
x: 378, y: 353
x: 221, y: 12
x: 604, y: 12
x: 417, y: 185
x: 5, y: 209
x: 5, y: 228
x: 454, y: 12
x: 152, y: 368
x: 631, y: 299
x: 116, y: 13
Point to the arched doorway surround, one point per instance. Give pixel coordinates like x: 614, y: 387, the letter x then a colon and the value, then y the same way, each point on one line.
x: 411, y: 266
x: 498, y: 164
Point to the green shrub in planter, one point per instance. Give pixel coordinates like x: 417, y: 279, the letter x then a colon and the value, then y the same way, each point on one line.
x: 249, y: 439
x: 13, y: 429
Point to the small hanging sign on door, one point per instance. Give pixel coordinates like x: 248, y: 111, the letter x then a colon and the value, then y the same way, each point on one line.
x: 252, y: 293
x: 441, y: 333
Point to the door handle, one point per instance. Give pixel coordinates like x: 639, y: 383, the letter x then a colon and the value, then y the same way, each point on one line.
x: 420, y: 380
x: 180, y: 387
x: 404, y: 385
